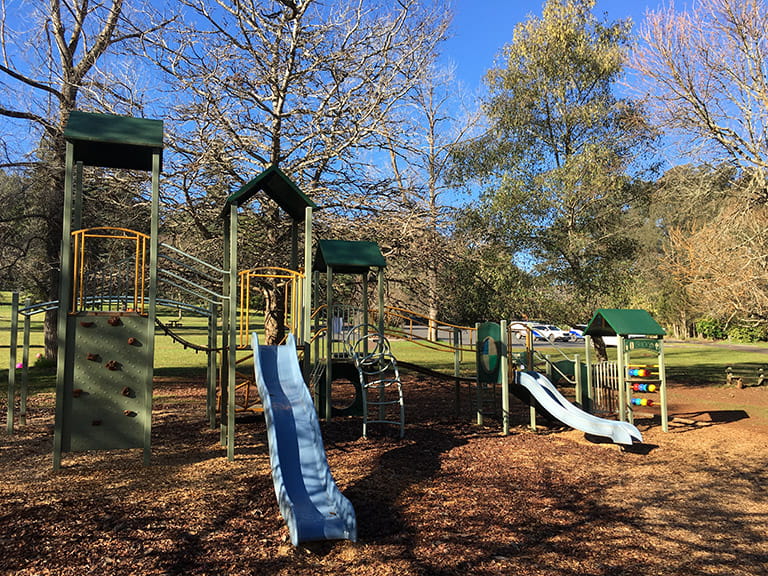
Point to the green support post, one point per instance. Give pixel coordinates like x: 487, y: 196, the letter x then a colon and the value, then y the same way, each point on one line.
x: 65, y: 297
x: 478, y: 410
x: 663, y: 391
x: 625, y: 415
x: 380, y: 301
x: 457, y: 368
x: 328, y: 342
x: 578, y: 384
x: 589, y: 400
x: 25, y: 370
x: 152, y: 309
x: 211, y: 395
x: 306, y: 306
x: 12, y: 364
x: 232, y: 329
x: 504, y: 377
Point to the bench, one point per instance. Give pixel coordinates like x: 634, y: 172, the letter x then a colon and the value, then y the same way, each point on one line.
x: 174, y: 324
x: 740, y: 375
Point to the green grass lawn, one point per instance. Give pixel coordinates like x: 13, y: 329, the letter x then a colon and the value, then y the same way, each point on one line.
x: 694, y: 363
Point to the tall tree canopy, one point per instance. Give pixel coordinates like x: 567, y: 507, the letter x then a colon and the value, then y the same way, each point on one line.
x: 305, y: 85
x: 705, y: 76
x: 558, y: 159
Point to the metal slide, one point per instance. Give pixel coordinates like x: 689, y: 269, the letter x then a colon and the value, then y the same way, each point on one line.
x: 550, y: 399
x: 310, y: 502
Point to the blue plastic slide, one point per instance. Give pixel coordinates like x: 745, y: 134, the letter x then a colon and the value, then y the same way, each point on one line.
x: 550, y: 399
x: 311, y: 503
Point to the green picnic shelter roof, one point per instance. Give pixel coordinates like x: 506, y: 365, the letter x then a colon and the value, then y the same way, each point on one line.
x: 621, y: 321
x: 112, y: 141
x: 348, y: 256
x: 275, y: 184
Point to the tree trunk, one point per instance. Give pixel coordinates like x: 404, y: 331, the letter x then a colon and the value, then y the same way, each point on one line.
x: 433, y: 303
x: 599, y: 345
x: 55, y: 184
x: 274, y: 314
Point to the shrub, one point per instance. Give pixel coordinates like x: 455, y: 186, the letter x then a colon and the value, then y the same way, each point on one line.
x: 43, y: 363
x: 710, y: 328
x: 746, y: 333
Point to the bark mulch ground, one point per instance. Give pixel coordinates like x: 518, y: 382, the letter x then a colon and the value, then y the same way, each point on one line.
x: 449, y: 498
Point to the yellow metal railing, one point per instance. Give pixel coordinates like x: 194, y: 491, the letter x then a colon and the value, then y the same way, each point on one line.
x: 81, y: 298
x: 293, y: 297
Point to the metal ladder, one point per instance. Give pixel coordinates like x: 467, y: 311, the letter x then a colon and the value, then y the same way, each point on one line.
x: 379, y: 379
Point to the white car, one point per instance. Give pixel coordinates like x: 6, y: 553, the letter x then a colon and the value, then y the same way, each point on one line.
x: 550, y: 333
x: 577, y: 332
x: 518, y: 329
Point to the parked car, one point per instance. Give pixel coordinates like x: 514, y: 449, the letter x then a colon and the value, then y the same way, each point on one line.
x: 518, y: 329
x: 550, y: 333
x: 577, y: 332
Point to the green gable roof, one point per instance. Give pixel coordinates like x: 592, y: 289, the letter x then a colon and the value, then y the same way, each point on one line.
x: 612, y: 321
x: 275, y: 184
x: 348, y: 257
x: 110, y: 141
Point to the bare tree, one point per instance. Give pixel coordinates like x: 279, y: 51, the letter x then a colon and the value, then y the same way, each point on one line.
x: 305, y: 85
x: 435, y: 117
x: 706, y: 78
x: 51, y: 56
x: 723, y: 264
x: 705, y: 75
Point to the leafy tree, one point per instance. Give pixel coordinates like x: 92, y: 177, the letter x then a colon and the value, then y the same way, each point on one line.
x: 558, y: 160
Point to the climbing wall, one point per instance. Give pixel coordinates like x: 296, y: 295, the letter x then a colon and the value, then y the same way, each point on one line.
x: 108, y: 395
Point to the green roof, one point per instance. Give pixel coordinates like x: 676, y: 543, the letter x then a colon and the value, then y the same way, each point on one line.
x: 111, y: 141
x: 348, y: 257
x: 612, y: 321
x: 275, y: 184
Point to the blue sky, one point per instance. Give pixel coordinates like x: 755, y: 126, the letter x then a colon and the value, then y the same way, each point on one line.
x: 482, y: 27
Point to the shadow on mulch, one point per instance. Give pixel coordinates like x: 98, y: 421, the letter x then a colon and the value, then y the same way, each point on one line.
x: 716, y: 416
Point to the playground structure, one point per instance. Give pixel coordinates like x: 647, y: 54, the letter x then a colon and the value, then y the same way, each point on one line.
x: 635, y: 381
x: 639, y: 377
x: 379, y: 376
x: 108, y: 324
x: 494, y: 364
x: 343, y: 333
x: 108, y: 319
x: 109, y: 354
x: 114, y: 279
